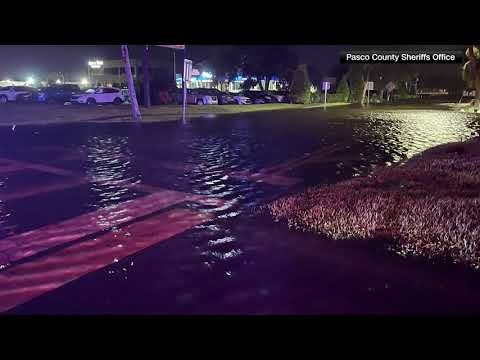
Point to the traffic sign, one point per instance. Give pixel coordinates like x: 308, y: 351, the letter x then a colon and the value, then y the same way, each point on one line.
x: 187, y: 69
x: 370, y: 85
x: 325, y: 86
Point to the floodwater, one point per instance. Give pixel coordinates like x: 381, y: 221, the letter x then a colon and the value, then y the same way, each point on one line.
x: 159, y: 218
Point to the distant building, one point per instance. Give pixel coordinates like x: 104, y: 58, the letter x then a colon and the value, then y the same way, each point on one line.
x: 206, y: 79
x: 8, y: 82
x: 110, y: 72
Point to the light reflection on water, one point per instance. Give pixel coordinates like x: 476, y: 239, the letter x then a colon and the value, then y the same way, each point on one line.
x: 108, y: 168
x: 405, y: 134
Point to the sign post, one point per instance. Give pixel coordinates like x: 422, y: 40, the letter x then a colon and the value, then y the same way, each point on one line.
x: 187, y: 75
x: 325, y: 87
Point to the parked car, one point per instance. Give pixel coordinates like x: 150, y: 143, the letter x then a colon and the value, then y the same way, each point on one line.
x: 195, y: 96
x: 202, y: 97
x: 258, y: 97
x: 241, y: 99
x: 15, y: 93
x: 223, y: 97
x: 101, y: 95
x: 58, y: 93
x: 176, y: 95
x: 280, y: 96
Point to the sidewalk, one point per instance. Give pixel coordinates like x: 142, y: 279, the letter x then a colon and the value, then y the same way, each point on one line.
x: 31, y: 114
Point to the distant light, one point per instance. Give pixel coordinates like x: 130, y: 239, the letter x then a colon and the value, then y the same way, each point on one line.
x: 95, y: 64
x: 58, y: 81
x: 30, y: 80
x: 84, y: 81
x: 206, y: 75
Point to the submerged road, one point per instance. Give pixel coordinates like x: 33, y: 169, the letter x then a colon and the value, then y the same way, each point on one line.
x: 158, y: 219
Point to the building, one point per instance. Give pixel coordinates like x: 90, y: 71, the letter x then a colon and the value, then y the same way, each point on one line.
x: 112, y: 72
x: 8, y: 82
x: 208, y: 80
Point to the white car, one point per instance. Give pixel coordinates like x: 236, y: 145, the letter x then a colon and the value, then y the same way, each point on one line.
x: 14, y: 93
x: 241, y: 99
x: 201, y: 98
x: 101, y: 95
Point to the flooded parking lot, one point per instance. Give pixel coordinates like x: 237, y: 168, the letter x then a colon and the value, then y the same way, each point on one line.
x: 159, y: 218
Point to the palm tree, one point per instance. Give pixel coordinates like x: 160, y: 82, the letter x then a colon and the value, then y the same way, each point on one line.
x: 131, y: 88
x: 471, y: 71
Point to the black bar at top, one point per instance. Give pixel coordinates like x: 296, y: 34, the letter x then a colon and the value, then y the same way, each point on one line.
x: 404, y: 57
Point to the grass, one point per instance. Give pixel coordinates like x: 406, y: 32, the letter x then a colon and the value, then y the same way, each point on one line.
x: 18, y: 114
x: 427, y: 206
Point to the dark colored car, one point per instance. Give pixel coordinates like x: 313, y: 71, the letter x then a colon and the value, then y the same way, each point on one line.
x: 259, y: 97
x: 177, y: 95
x: 58, y: 93
x: 29, y: 96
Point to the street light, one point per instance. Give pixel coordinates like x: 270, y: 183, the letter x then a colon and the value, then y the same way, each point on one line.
x: 58, y: 81
x: 30, y: 80
x: 84, y: 81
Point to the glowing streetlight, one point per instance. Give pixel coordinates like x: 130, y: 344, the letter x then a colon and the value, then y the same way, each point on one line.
x: 58, y: 81
x: 30, y: 80
x: 84, y: 81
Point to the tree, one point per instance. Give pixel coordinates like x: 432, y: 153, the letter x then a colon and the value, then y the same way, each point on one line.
x: 266, y: 61
x: 471, y: 71
x: 343, y: 91
x: 131, y: 87
x: 359, y: 75
x: 300, y: 86
x: 225, y: 60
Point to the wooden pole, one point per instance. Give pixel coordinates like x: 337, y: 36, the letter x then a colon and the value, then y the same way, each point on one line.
x: 131, y: 87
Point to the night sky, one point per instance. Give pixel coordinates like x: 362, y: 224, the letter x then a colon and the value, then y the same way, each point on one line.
x: 21, y: 61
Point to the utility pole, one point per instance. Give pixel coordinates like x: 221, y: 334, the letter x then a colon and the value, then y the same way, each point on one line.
x: 146, y: 77
x: 131, y: 87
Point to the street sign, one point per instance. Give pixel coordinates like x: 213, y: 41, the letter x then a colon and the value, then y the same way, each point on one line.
x: 370, y: 85
x: 187, y: 69
x: 325, y: 86
x: 176, y: 47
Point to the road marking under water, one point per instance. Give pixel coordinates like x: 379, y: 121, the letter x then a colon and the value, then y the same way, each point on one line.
x: 18, y: 247
x: 29, y: 280
x: 16, y: 165
x: 42, y: 190
x: 275, y: 175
